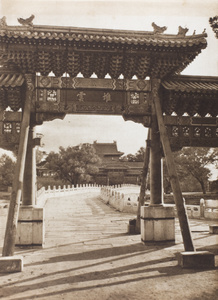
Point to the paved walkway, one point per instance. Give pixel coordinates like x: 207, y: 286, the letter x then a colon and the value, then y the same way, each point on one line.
x: 89, y: 255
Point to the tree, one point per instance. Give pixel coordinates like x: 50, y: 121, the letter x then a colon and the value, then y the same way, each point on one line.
x: 192, y: 166
x: 7, y: 166
x: 39, y: 155
x: 74, y: 164
x: 214, y: 24
x: 138, y: 156
x: 195, y: 162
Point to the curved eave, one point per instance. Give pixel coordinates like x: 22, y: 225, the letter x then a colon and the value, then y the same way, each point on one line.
x: 113, y: 154
x: 72, y: 50
x: 195, y: 84
x: 11, y: 80
x: 74, y: 34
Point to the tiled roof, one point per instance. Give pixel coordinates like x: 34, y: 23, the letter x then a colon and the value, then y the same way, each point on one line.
x: 101, y: 35
x: 134, y: 164
x: 191, y: 95
x: 11, y: 80
x: 110, y: 166
x: 192, y: 84
x: 106, y: 149
x: 73, y: 50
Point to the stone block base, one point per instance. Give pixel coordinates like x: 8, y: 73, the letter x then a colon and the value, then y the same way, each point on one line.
x: 11, y: 264
x: 157, y: 224
x: 30, y: 230
x: 213, y: 229
x: 132, y: 227
x: 198, y: 259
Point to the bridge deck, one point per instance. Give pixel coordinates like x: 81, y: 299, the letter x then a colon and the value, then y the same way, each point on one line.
x: 88, y: 255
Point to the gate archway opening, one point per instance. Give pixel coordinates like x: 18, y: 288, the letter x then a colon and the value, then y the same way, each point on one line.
x: 110, y: 136
x: 27, y: 50
x: 75, y: 129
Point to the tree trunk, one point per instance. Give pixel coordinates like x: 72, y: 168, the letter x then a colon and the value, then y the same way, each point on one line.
x: 203, y: 187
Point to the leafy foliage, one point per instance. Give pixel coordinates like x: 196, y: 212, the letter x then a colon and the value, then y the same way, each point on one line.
x: 192, y: 166
x: 195, y: 162
x: 7, y: 166
x: 138, y: 156
x: 39, y: 155
x: 214, y: 24
x: 74, y: 164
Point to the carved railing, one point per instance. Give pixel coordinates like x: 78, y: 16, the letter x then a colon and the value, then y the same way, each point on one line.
x: 44, y: 194
x: 126, y: 200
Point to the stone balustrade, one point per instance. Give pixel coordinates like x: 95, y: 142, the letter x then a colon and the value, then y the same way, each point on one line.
x: 208, y: 209
x: 123, y: 200
x: 54, y: 192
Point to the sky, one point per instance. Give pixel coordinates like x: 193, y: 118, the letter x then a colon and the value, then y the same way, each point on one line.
x: 130, y: 15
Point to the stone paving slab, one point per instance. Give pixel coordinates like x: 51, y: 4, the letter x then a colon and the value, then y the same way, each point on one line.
x: 89, y: 255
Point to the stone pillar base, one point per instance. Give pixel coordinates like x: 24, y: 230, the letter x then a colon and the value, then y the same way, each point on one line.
x: 11, y: 264
x: 213, y: 229
x: 131, y: 229
x: 196, y: 259
x: 30, y: 230
x: 157, y: 224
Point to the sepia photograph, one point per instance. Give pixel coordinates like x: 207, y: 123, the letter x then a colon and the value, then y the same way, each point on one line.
x: 108, y: 149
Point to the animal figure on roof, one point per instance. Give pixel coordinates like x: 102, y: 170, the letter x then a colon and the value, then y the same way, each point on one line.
x: 3, y: 22
x: 26, y: 22
x: 182, y: 31
x: 158, y: 29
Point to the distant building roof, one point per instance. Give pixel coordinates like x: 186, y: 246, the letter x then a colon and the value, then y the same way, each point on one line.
x: 106, y: 149
x: 133, y: 164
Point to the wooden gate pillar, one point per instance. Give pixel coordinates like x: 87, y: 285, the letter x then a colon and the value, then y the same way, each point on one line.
x: 157, y: 221
x: 29, y: 183
x: 30, y: 229
x: 155, y: 165
x: 11, y: 227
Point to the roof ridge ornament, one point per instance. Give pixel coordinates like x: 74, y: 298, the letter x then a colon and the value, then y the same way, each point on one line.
x: 158, y: 29
x: 3, y: 22
x: 182, y: 31
x: 26, y: 22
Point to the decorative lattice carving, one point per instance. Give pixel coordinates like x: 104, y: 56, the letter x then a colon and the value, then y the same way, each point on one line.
x: 186, y: 131
x: 87, y: 65
x: 3, y: 99
x: 115, y: 68
x: 129, y: 67
x: 175, y: 131
x: 44, y: 63
x: 73, y: 65
x: 197, y: 131
x: 7, y: 127
x: 142, y: 67
x: 207, y: 132
x: 101, y: 65
x: 14, y: 98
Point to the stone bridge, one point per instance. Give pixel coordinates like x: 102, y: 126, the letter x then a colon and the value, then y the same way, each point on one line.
x: 87, y: 254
